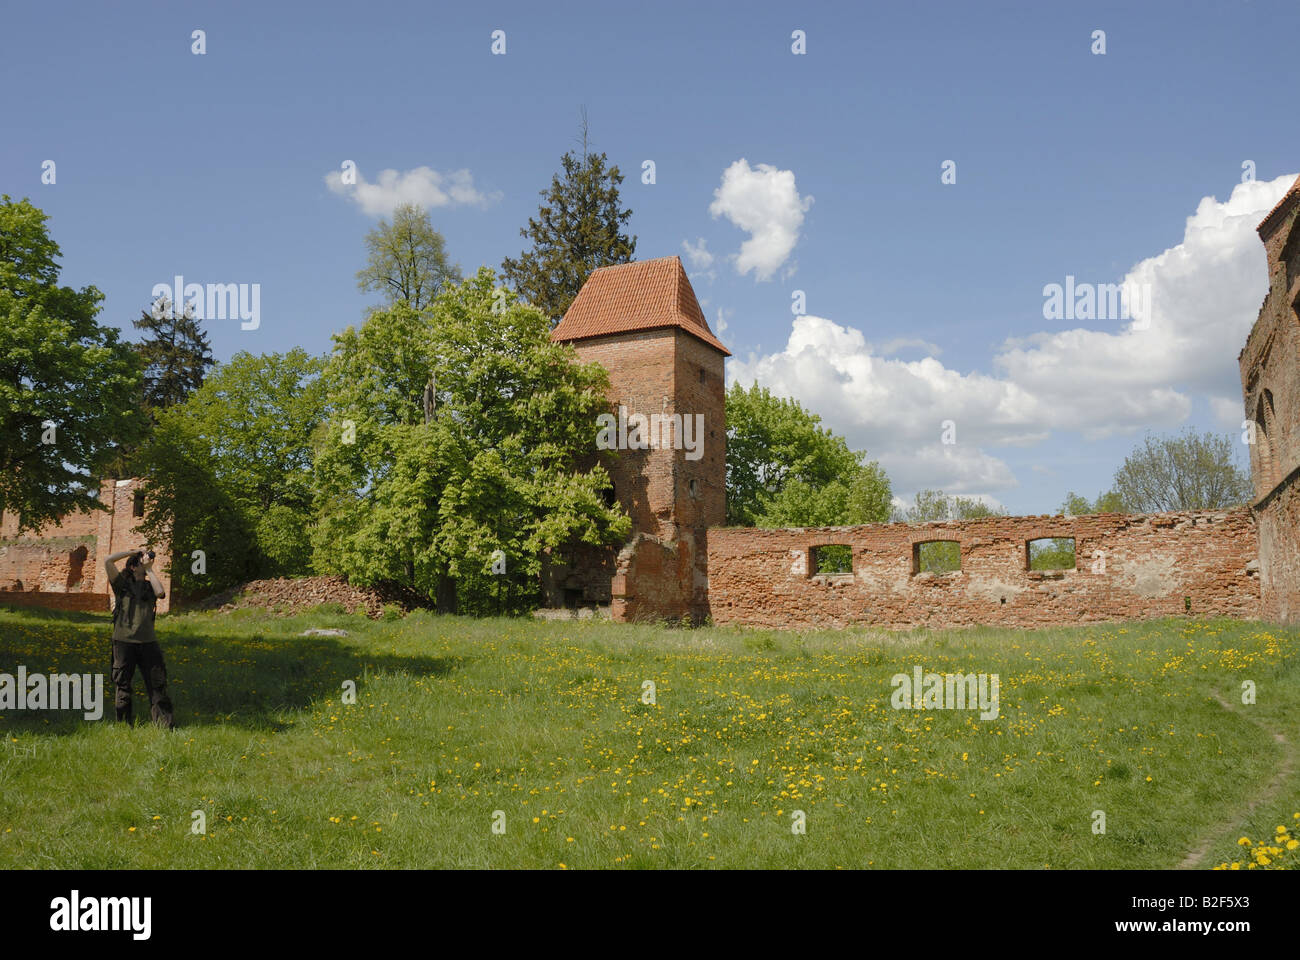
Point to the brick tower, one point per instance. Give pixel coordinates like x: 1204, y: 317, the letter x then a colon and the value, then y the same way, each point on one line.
x: 642, y: 323
x: 1270, y: 382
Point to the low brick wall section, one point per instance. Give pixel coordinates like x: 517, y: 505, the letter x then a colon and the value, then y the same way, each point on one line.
x: 1127, y: 567
x: 654, y: 580
x: 88, y: 602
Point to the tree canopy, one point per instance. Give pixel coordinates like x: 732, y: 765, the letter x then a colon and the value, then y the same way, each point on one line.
x: 930, y: 505
x: 229, y: 470
x: 579, y: 227
x: 1077, y: 505
x: 176, y: 354
x: 785, y: 469
x: 460, y: 439
x: 1187, y: 471
x: 69, y: 387
x: 406, y: 260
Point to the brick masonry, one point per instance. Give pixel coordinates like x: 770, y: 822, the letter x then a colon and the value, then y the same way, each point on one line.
x: 60, y: 566
x: 673, y: 499
x: 1270, y: 381
x: 1128, y: 567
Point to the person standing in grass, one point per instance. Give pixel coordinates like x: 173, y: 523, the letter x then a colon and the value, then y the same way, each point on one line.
x: 136, y: 592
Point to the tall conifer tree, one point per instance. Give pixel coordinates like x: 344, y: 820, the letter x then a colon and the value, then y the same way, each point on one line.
x: 579, y: 227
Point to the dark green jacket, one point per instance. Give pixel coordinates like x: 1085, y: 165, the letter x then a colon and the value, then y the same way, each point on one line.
x: 133, y: 610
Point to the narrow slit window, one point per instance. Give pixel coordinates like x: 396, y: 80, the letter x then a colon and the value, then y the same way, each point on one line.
x: 137, y: 504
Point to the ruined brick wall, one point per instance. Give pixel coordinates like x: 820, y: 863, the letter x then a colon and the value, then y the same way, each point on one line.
x: 702, y: 490
x: 700, y: 388
x: 1152, y: 563
x: 81, y: 602
x: 654, y: 579
x: 672, y: 495
x: 1278, y: 516
x: 1269, y: 364
x: 61, y: 565
x: 641, y: 372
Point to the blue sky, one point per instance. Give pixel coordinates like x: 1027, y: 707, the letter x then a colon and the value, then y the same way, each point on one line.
x: 1068, y: 163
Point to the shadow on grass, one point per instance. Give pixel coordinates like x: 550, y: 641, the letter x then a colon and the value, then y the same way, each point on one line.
x: 253, y: 681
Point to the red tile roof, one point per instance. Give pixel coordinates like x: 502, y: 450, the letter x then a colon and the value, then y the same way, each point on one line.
x: 643, y: 295
x: 1289, y: 196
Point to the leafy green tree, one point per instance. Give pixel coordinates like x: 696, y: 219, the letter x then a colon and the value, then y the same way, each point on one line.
x: 461, y: 438
x: 68, y: 386
x: 785, y: 469
x: 406, y: 260
x: 176, y: 355
x: 930, y: 505
x: 1183, y: 472
x: 229, y: 470
x: 579, y: 227
x: 1054, y: 553
x: 944, y: 556
x: 864, y: 498
x: 1076, y: 505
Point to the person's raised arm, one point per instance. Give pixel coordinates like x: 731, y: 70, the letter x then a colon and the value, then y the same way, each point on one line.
x: 158, y: 590
x: 110, y: 568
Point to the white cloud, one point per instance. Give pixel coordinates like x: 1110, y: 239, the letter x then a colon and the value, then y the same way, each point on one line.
x: 422, y: 186
x: 1206, y: 293
x: 898, y: 344
x: 895, y: 409
x: 698, y: 256
x: 721, y: 328
x: 765, y: 203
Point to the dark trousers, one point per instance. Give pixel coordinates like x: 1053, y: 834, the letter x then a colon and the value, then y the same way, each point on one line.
x: 148, y: 656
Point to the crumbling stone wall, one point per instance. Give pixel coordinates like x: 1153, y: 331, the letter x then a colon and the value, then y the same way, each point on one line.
x: 1127, y: 567
x: 61, y: 565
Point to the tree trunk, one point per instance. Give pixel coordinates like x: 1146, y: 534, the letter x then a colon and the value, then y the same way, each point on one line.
x: 446, y: 597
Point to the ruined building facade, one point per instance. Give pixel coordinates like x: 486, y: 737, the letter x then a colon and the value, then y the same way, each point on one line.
x: 1270, y: 383
x: 642, y: 322
x: 62, y: 565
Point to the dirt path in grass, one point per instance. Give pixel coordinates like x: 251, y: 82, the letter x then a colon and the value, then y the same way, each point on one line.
x: 1270, y: 791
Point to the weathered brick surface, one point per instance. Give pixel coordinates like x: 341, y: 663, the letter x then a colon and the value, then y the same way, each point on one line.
x: 1152, y: 563
x: 641, y: 371
x: 64, y: 559
x: 672, y: 499
x: 1278, y: 516
x: 654, y: 579
x: 1270, y: 381
x: 83, y: 602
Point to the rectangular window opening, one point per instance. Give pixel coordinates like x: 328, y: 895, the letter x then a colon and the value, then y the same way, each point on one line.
x: 936, y: 556
x: 137, y: 504
x: 832, y: 558
x: 1050, y: 553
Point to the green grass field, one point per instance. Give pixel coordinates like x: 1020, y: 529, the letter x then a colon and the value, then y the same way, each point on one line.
x: 457, y: 719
